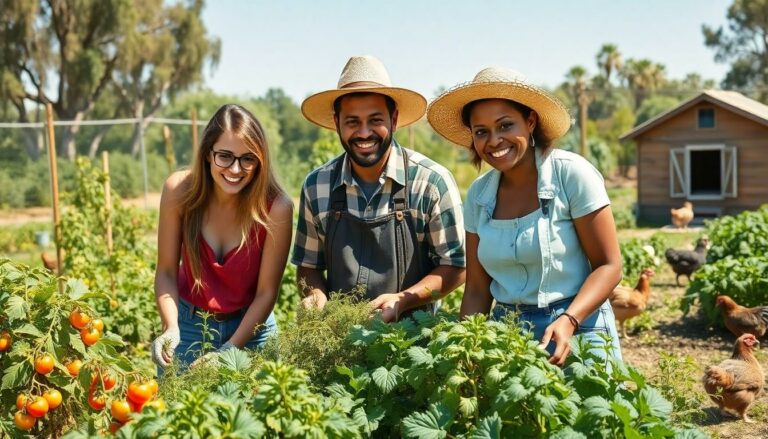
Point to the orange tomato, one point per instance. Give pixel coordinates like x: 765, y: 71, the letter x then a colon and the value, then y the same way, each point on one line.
x: 153, y: 386
x: 158, y: 404
x: 44, y: 364
x: 139, y: 392
x: 104, y: 380
x: 90, y: 336
x: 97, y: 324
x: 96, y: 402
x: 120, y: 410
x: 37, y: 407
x: 79, y: 319
x: 53, y: 397
x: 113, y: 304
x: 24, y: 421
x: 74, y: 367
x: 5, y: 341
x: 21, y: 401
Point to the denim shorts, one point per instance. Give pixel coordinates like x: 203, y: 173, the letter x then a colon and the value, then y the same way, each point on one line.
x: 191, y: 330
x: 537, y: 319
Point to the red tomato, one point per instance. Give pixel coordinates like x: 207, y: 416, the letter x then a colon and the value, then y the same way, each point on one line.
x: 37, y: 407
x: 96, y: 403
x: 104, y: 380
x: 90, y: 336
x: 44, y: 364
x: 139, y: 393
x: 21, y: 401
x: 98, y: 325
x: 135, y: 407
x: 74, y: 367
x: 79, y: 319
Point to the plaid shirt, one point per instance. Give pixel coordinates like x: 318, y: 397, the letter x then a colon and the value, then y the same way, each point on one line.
x: 434, y: 201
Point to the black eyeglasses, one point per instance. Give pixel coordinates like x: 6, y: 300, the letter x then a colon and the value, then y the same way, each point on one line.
x: 225, y: 159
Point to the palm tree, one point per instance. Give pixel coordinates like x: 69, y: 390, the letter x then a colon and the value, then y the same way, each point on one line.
x: 609, y: 60
x: 643, y: 78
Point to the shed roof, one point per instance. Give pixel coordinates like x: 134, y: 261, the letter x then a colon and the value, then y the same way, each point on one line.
x: 730, y: 100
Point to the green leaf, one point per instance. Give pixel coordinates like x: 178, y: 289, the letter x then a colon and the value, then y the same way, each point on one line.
x: 547, y: 404
x: 489, y: 428
x: 597, y: 406
x: 30, y: 329
x: 368, y: 420
x: 386, y: 380
x: 423, y: 425
x: 658, y: 405
x: 234, y: 359
x: 468, y: 406
x: 420, y: 355
x: 16, y: 375
x: 45, y: 292
x: 16, y: 309
x: 534, y: 377
x: 76, y: 289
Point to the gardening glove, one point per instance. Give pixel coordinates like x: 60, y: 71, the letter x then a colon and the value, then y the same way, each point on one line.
x: 214, y: 355
x: 164, y: 346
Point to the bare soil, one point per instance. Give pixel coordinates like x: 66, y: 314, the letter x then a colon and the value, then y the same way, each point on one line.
x: 45, y: 214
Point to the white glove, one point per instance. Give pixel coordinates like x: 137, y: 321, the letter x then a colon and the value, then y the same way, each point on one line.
x: 164, y: 346
x: 213, y: 355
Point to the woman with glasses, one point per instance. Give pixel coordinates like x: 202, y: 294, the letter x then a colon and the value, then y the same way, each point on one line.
x: 223, y: 239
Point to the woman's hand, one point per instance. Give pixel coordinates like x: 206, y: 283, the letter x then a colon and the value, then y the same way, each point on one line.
x: 560, y: 331
x: 164, y: 346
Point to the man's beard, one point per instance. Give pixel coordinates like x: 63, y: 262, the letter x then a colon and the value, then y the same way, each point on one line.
x: 370, y: 158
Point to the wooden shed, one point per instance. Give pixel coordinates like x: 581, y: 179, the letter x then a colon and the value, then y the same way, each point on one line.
x: 711, y: 150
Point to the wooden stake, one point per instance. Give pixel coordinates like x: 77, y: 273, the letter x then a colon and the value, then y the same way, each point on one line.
x: 108, y: 209
x: 194, y: 131
x: 55, y: 194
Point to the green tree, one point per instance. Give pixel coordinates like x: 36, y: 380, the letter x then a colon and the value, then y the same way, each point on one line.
x: 655, y: 106
x: 609, y: 61
x: 77, y: 50
x: 643, y: 77
x: 298, y: 134
x: 744, y: 44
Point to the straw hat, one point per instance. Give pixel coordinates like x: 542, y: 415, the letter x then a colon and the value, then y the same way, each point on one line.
x: 444, y: 113
x: 364, y: 74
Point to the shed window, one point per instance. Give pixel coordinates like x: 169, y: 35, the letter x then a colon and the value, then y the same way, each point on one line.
x: 706, y: 118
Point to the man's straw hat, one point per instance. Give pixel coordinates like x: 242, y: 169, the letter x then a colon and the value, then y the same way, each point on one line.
x: 364, y: 74
x: 444, y: 113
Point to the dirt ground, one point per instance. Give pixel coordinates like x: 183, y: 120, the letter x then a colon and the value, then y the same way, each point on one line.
x: 691, y: 336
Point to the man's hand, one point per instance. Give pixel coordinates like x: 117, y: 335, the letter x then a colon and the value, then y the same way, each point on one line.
x: 316, y: 300
x: 164, y: 346
x: 388, y: 306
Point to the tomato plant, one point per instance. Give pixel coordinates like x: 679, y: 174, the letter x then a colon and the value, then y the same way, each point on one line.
x: 5, y: 341
x: 53, y: 397
x: 90, y: 336
x: 73, y: 367
x: 78, y: 319
x: 44, y: 364
x: 120, y: 410
x: 24, y: 421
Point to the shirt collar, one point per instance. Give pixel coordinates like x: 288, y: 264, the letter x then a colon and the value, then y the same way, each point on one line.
x: 394, y: 169
x: 545, y: 186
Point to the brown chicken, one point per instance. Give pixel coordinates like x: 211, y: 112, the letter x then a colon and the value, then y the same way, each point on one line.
x: 682, y: 216
x: 736, y: 383
x: 631, y: 302
x: 742, y: 320
x: 49, y: 262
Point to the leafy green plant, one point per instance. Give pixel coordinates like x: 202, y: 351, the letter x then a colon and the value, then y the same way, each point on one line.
x: 638, y: 254
x: 677, y: 379
x: 736, y: 264
x: 37, y: 319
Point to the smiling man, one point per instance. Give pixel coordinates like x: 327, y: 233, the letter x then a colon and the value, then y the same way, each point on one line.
x: 379, y: 217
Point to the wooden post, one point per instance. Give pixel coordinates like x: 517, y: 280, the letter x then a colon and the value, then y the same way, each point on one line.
x: 55, y: 194
x: 194, y: 131
x: 583, y: 103
x: 108, y: 208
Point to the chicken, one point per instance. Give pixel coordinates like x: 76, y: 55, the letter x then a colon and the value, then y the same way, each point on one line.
x: 687, y: 261
x: 742, y: 320
x: 631, y: 302
x: 49, y: 262
x: 735, y: 383
x: 682, y: 216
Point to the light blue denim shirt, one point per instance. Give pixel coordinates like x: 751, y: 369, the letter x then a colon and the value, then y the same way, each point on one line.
x: 537, y: 259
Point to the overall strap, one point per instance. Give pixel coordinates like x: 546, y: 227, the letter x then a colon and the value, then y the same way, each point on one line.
x: 338, y: 199
x: 400, y: 197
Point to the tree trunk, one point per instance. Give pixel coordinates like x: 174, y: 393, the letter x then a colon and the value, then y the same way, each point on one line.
x: 94, y: 148
x: 138, y: 112
x: 68, y: 138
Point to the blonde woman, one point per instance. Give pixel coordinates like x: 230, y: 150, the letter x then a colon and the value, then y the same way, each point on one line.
x: 541, y: 239
x: 223, y: 240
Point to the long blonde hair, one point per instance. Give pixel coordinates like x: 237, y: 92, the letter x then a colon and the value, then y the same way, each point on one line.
x: 254, y: 198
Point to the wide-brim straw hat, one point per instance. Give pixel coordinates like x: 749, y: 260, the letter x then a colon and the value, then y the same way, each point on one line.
x: 444, y: 113
x: 364, y: 74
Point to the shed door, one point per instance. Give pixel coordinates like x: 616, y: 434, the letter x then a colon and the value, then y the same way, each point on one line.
x: 677, y: 178
x: 729, y: 172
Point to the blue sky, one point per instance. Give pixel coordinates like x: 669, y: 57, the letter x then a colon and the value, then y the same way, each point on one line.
x: 301, y: 46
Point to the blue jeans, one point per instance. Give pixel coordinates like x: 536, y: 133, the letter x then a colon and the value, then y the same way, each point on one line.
x: 191, y: 330
x: 536, y: 320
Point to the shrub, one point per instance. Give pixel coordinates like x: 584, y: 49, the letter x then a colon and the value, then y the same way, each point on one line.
x: 638, y: 254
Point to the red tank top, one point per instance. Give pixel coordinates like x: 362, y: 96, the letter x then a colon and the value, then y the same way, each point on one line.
x: 228, y: 286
